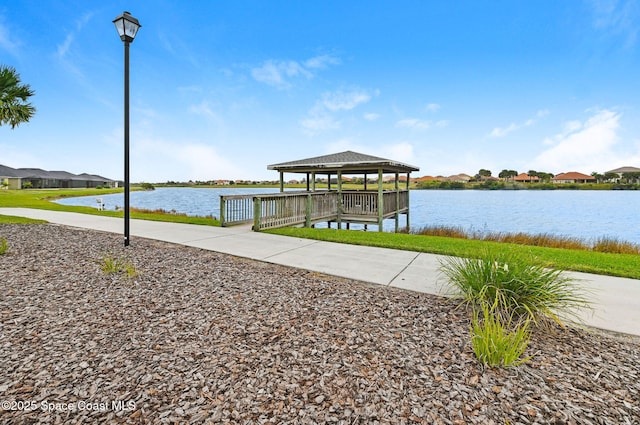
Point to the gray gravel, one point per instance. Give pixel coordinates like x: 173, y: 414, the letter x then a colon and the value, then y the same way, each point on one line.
x: 202, y: 337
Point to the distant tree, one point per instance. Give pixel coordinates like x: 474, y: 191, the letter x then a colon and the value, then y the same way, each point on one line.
x: 599, y: 177
x: 611, y: 177
x: 631, y: 177
x: 545, y: 177
x: 484, y: 173
x: 14, y: 108
x: 507, y: 174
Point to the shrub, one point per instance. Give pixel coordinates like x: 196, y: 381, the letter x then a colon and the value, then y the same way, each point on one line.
x: 496, y: 342
x: 444, y: 231
x: 3, y: 246
x: 112, y: 264
x: 615, y: 246
x: 525, y: 290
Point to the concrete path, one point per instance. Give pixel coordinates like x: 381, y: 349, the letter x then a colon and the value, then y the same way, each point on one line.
x: 616, y: 301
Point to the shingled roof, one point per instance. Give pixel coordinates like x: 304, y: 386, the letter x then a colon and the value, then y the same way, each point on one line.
x: 347, y: 162
x: 625, y: 170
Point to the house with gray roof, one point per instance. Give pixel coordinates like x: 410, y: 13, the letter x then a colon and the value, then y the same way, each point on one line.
x: 19, y: 178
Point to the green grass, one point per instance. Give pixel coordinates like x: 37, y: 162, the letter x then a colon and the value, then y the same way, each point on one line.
x: 603, y: 244
x: 4, y: 247
x: 41, y: 199
x: 623, y: 265
x: 496, y: 342
x: 514, y: 286
x: 111, y: 264
x: 12, y: 219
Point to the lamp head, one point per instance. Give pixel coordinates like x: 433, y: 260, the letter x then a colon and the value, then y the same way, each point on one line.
x: 127, y: 26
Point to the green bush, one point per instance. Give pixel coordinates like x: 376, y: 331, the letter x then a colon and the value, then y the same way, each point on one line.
x: 4, y: 247
x: 497, y: 342
x: 522, y: 289
x: 147, y: 186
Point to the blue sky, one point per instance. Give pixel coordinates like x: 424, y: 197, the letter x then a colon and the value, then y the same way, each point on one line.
x: 221, y: 89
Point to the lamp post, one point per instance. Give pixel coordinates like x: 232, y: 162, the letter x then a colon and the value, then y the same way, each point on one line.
x: 127, y: 27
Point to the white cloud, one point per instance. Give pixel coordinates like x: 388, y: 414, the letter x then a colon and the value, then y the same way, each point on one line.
x: 401, y: 151
x: 344, y: 101
x: 321, y: 62
x: 617, y: 18
x: 542, y: 113
x: 419, y: 124
x: 6, y: 42
x: 65, y: 46
x: 432, y: 107
x: 371, y: 116
x: 320, y: 116
x: 319, y: 122
x: 280, y: 73
x: 277, y: 73
x: 503, y: 131
x: 204, y: 109
x: 158, y: 160
x: 584, y: 146
x: 414, y: 123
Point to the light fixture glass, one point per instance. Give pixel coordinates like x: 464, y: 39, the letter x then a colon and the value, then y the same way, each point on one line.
x: 127, y: 26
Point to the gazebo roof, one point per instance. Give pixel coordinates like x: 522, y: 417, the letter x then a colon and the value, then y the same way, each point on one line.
x: 347, y: 162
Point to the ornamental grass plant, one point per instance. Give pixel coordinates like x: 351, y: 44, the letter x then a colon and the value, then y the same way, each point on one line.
x: 4, y: 247
x: 113, y: 264
x: 496, y: 342
x: 515, y: 285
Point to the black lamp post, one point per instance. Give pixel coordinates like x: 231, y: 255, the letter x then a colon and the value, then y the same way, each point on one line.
x: 127, y: 27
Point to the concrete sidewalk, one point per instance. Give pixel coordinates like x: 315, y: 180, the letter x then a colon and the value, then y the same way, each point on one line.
x: 616, y: 301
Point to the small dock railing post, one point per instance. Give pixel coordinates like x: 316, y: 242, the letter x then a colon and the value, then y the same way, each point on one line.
x: 257, y: 212
x: 222, y: 210
x: 308, y: 211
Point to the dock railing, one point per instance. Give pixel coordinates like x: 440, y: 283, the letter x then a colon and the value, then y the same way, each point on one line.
x: 272, y: 210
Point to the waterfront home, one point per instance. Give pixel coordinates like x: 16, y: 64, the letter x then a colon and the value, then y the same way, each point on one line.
x: 573, y: 177
x: 19, y: 178
x: 526, y: 178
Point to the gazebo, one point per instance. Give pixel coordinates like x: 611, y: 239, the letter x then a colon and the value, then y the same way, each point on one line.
x: 327, y: 205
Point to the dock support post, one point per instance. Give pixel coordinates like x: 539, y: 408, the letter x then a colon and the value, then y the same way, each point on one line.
x: 222, y: 210
x: 408, y: 200
x: 397, y: 203
x: 256, y: 213
x: 380, y: 201
x: 307, y: 211
x: 339, y: 203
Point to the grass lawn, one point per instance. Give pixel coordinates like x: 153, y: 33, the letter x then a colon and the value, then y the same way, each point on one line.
x: 12, y: 219
x: 623, y: 265
x: 41, y: 199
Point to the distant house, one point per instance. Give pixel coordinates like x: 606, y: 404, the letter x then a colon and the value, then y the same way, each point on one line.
x: 526, y: 178
x: 18, y: 178
x: 622, y: 170
x: 628, y: 171
x: 460, y: 178
x: 573, y: 177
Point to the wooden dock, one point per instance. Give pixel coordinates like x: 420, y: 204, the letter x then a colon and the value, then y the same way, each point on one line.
x: 269, y: 211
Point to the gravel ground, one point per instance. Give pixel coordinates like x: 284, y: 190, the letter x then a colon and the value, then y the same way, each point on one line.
x: 202, y: 337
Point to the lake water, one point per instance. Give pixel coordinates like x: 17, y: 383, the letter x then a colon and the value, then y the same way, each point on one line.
x: 584, y: 214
